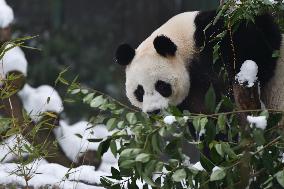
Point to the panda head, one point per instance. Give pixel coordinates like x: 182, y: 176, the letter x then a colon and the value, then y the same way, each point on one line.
x: 156, y: 75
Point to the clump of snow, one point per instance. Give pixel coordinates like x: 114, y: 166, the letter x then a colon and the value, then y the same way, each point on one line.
x: 6, y: 14
x: 198, y: 166
x: 258, y: 121
x: 216, y: 168
x: 169, y: 119
x: 74, y: 146
x: 42, y: 99
x: 248, y: 73
x: 185, y: 118
x: 13, y: 60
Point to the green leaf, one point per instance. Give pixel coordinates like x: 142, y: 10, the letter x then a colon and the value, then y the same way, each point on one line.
x: 84, y: 91
x: 130, y: 153
x: 216, y: 49
x: 75, y: 91
x: 131, y: 118
x: 111, y: 124
x: 179, y: 175
x: 221, y: 122
x: 105, y: 181
x: 227, y: 149
x: 148, y: 180
x: 218, y: 174
x: 121, y: 125
x: 280, y: 177
x: 163, y: 131
x: 258, y: 137
x: 196, y: 123
x: 113, y: 148
x: 127, y: 164
x: 276, y: 54
x: 95, y: 139
x: 210, y: 99
x: 203, y: 122
x: 78, y: 135
x: 143, y: 158
x: 219, y: 150
x: 88, y: 98
x: 115, y: 173
x: 103, y: 147
x: 96, y: 102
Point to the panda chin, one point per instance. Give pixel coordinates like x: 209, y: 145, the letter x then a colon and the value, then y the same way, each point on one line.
x: 154, y: 102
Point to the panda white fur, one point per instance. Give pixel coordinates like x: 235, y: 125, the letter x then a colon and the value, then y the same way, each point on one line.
x: 174, y: 66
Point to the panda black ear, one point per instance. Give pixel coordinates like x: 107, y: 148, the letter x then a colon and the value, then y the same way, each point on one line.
x: 164, y: 46
x: 124, y: 54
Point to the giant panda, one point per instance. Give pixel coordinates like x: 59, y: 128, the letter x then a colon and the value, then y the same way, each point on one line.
x: 174, y: 65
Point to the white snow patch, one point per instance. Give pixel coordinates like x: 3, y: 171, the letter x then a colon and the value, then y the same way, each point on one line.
x: 11, y: 146
x: 258, y: 121
x: 52, y: 174
x: 42, y: 99
x: 202, y: 132
x: 13, y: 60
x: 248, y: 73
x: 6, y: 14
x: 74, y: 146
x: 185, y: 118
x: 169, y: 119
x: 216, y: 168
x: 198, y: 166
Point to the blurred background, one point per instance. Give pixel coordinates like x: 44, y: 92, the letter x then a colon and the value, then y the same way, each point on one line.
x: 83, y: 35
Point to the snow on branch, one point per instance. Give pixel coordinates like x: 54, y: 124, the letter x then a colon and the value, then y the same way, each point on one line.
x: 248, y: 73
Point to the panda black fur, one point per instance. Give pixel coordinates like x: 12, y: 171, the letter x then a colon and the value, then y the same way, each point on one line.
x: 180, y: 54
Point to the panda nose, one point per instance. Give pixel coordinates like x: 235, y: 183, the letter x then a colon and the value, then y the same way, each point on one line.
x: 154, y: 112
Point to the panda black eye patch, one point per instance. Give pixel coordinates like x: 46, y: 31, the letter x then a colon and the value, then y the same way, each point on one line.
x: 139, y: 93
x: 164, y: 88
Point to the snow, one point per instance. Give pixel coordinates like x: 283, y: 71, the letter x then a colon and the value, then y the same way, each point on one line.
x: 216, y: 168
x: 55, y: 174
x: 185, y: 118
x: 10, y: 146
x: 42, y: 99
x: 73, y: 146
x: 169, y: 120
x: 258, y: 121
x: 44, y: 173
x: 248, y: 73
x: 13, y: 60
x: 198, y: 166
x: 6, y: 14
